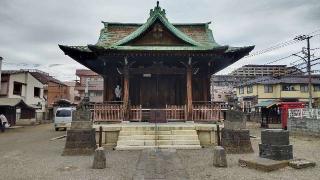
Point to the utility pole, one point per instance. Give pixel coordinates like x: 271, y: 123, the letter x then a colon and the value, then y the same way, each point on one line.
x: 301, y: 38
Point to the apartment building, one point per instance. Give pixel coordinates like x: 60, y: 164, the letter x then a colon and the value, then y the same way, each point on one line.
x: 266, y: 70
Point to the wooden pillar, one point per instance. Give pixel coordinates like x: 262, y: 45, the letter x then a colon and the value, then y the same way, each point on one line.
x: 126, y: 90
x: 105, y: 88
x: 189, y: 90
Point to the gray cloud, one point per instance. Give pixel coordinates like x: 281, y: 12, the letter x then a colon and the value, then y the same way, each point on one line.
x: 30, y: 30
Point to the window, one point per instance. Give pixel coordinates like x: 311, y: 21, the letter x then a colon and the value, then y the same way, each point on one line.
x: 63, y: 113
x: 316, y: 87
x: 17, y: 88
x: 241, y: 90
x: 36, y: 92
x: 249, y: 89
x: 268, y: 88
x: 288, y: 87
x: 304, y: 88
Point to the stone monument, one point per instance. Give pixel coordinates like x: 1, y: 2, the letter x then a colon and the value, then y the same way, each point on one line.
x: 219, y: 157
x: 81, y: 139
x: 275, y: 144
x: 235, y: 138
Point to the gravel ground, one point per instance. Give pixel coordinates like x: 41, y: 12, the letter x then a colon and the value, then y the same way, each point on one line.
x: 28, y: 153
x: 199, y: 163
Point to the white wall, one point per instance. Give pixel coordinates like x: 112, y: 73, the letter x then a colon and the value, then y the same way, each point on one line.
x: 27, y: 94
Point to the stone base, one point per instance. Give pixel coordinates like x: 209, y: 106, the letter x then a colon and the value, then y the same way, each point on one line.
x: 219, y: 157
x: 99, y: 161
x: 80, y: 142
x: 275, y: 152
x: 236, y: 141
x: 263, y: 164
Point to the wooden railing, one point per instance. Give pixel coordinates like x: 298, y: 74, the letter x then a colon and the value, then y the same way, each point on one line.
x: 206, y: 112
x: 176, y: 112
x: 105, y: 112
x: 108, y: 112
x: 136, y: 113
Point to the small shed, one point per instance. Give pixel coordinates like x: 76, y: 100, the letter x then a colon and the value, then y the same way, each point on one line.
x: 270, y: 112
x: 9, y: 106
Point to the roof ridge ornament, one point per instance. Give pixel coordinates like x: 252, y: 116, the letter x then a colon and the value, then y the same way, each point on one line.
x: 158, y: 10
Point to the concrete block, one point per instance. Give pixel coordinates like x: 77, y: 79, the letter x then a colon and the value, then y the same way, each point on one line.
x: 301, y: 163
x: 219, y: 157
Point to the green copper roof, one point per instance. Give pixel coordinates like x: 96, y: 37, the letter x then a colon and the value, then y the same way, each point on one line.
x: 157, y: 14
x: 196, y: 36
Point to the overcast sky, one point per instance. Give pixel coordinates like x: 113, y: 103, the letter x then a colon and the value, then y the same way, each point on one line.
x: 30, y: 30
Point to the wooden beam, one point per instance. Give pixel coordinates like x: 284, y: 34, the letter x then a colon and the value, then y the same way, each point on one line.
x: 189, y: 90
x: 126, y: 90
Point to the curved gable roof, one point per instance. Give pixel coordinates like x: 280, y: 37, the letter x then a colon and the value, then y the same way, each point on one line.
x: 157, y: 14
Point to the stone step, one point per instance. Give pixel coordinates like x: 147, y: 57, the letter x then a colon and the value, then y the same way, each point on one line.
x: 158, y: 142
x: 159, y: 137
x: 123, y: 148
x: 131, y: 133
x: 184, y: 132
x: 159, y: 128
x: 160, y: 147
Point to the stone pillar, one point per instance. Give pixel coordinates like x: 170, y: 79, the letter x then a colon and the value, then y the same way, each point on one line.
x: 99, y: 160
x: 235, y: 138
x: 275, y: 145
x: 189, y: 90
x: 219, y: 157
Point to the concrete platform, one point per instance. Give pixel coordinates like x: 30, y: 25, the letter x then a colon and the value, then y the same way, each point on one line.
x: 144, y: 135
x: 263, y: 164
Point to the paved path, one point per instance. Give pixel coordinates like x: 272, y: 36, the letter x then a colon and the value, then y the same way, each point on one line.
x: 160, y: 164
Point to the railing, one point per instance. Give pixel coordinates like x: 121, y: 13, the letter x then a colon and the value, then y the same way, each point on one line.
x: 108, y: 112
x: 223, y: 105
x: 304, y: 113
x: 206, y: 112
x: 176, y: 112
x: 136, y: 113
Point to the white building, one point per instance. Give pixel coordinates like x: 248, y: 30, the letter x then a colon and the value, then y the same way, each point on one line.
x: 21, y: 84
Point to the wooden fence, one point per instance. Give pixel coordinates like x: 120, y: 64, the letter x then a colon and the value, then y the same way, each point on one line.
x: 108, y: 112
x: 136, y: 113
x: 206, y: 112
x: 176, y: 112
x: 103, y: 112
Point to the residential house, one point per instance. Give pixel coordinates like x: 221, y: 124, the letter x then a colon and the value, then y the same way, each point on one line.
x: 54, y: 89
x: 95, y: 85
x: 286, y: 88
x: 223, y: 87
x: 21, y: 84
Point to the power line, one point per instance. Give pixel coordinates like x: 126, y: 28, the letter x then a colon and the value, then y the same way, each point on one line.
x: 279, y: 45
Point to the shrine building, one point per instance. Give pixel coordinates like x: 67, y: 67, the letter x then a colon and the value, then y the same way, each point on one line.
x: 158, y: 65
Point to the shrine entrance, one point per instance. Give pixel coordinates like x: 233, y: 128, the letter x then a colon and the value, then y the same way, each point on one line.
x: 156, y: 91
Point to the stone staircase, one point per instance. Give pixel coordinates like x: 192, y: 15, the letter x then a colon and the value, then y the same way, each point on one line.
x: 161, y: 136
